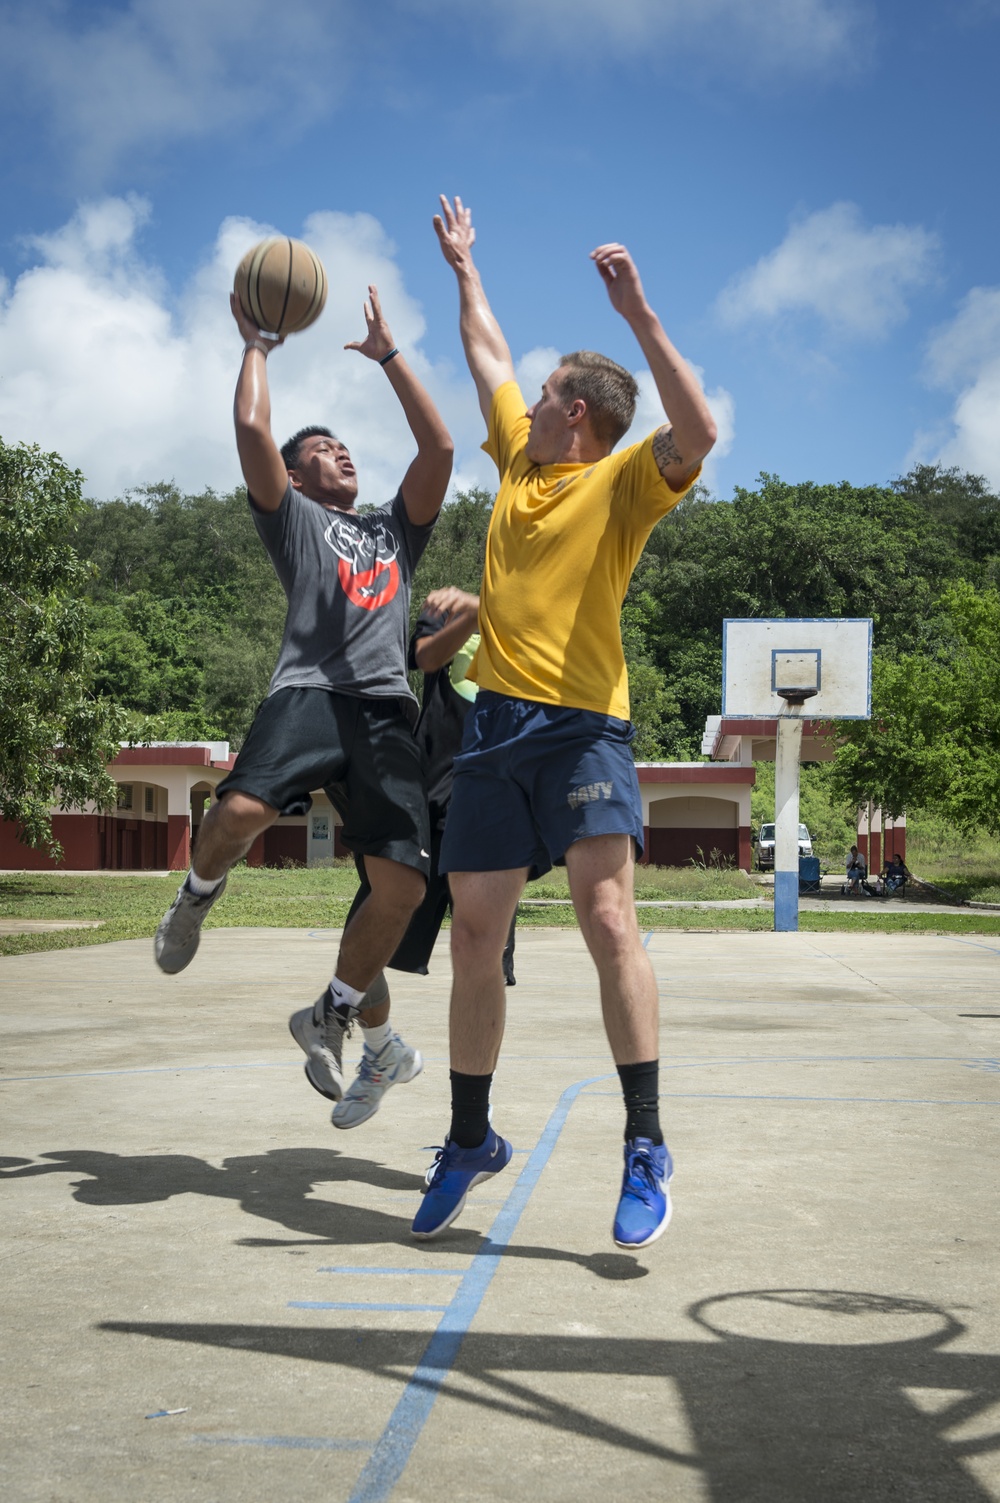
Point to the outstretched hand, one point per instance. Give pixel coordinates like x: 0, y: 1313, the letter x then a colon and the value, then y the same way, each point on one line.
x: 454, y: 231
x: 248, y: 328
x: 378, y: 341
x: 620, y: 277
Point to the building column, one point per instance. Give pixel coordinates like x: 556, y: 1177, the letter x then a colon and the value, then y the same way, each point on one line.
x: 178, y: 842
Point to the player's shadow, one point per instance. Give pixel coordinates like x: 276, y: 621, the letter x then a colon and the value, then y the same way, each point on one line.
x: 278, y: 1187
x: 760, y: 1419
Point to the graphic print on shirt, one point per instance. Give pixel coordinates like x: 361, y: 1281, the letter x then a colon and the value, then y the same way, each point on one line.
x: 366, y: 562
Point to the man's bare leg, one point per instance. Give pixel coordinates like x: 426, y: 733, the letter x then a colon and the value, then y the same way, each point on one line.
x: 377, y: 928
x: 482, y: 906
x: 228, y: 831
x: 601, y: 872
x: 367, y: 944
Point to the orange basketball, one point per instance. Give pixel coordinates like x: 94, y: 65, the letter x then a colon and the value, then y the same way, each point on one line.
x: 281, y: 285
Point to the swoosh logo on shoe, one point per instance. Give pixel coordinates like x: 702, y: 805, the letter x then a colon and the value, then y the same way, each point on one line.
x: 496, y: 1150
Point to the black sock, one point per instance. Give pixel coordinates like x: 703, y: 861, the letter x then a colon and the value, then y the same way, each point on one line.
x: 470, y: 1106
x: 641, y: 1089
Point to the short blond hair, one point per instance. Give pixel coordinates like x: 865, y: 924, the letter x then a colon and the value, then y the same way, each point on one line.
x: 609, y: 390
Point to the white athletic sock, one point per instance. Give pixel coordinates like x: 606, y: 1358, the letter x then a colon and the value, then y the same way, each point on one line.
x: 377, y: 1038
x: 345, y: 996
x: 201, y: 886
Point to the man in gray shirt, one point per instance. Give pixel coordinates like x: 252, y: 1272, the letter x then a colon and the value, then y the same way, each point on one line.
x: 339, y: 711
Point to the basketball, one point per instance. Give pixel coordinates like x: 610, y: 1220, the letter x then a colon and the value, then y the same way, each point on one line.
x: 281, y: 285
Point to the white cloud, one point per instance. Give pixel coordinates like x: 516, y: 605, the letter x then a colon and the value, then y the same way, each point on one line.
x: 852, y: 277
x: 965, y: 355
x: 110, y: 79
x: 98, y: 362
x: 776, y: 37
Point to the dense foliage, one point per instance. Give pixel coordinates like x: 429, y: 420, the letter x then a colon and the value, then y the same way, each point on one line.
x: 56, y: 735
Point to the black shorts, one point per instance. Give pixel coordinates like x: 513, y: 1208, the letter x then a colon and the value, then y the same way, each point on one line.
x: 361, y: 752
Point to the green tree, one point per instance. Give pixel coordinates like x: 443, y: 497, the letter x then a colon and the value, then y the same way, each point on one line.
x: 186, y: 611
x: 56, y: 736
x: 933, y: 742
x: 791, y: 550
x: 456, y: 551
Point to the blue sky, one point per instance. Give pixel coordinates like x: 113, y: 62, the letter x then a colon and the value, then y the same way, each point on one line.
x: 805, y: 185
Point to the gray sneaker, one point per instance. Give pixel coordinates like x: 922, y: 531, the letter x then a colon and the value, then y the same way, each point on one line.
x: 180, y: 928
x: 320, y: 1032
x: 394, y: 1065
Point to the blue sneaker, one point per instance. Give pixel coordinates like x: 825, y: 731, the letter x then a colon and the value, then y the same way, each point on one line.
x: 456, y: 1171
x: 644, y: 1207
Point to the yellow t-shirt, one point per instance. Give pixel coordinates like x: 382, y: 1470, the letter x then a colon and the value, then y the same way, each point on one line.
x: 562, y: 545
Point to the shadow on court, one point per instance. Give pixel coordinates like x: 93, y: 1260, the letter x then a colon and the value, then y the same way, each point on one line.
x: 773, y: 1421
x: 277, y: 1186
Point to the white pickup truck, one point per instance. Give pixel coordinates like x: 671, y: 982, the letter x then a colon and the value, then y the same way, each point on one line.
x: 765, y: 846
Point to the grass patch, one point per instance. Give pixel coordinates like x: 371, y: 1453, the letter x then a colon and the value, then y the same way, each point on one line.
x: 964, y: 866
x: 130, y: 907
x: 694, y: 883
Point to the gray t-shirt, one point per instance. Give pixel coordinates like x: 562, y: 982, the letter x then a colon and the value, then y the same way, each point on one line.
x: 347, y: 582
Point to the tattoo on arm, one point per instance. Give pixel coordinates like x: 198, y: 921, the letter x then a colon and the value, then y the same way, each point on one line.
x: 665, y: 451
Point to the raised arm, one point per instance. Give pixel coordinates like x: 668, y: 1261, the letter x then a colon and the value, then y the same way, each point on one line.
x: 461, y: 618
x: 682, y: 443
x: 426, y: 481
x: 485, y: 347
x: 260, y: 458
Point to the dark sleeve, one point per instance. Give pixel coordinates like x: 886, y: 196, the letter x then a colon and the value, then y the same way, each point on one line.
x: 428, y: 625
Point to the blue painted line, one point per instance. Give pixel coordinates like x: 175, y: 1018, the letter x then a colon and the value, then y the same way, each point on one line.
x: 356, y: 1304
x: 975, y: 943
x: 290, y: 1442
x: 391, y: 1454
x: 740, y: 1096
x: 645, y: 943
x: 428, y: 1273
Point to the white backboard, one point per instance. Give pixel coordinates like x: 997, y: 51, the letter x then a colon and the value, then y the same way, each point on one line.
x: 831, y: 656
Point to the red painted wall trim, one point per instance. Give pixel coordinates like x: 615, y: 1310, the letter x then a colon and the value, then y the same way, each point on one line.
x: 698, y: 772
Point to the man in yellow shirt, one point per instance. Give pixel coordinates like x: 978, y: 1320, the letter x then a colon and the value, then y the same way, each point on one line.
x: 545, y: 774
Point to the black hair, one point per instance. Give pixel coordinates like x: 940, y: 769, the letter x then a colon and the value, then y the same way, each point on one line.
x: 291, y: 450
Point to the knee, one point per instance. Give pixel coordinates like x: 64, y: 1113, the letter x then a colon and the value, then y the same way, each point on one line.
x: 611, y: 930
x: 402, y: 894
x: 241, y: 815
x: 474, y: 938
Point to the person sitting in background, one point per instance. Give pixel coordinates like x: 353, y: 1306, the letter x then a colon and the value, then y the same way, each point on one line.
x: 894, y: 875
x: 857, y: 873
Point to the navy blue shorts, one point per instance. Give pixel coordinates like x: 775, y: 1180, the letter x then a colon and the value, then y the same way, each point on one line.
x: 531, y: 779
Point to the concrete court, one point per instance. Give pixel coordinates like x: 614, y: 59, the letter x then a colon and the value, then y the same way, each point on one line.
x: 181, y: 1228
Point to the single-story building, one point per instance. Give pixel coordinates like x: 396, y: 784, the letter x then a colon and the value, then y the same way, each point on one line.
x: 691, y: 811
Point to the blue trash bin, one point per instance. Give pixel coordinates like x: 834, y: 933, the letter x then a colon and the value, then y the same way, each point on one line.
x: 808, y: 874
